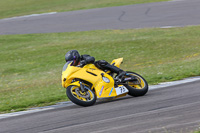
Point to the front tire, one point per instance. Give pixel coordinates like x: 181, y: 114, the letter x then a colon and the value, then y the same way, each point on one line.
x: 137, y: 89
x: 78, y: 97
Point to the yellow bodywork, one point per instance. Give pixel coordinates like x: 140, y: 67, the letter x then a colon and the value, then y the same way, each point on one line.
x: 93, y: 75
x: 117, y: 62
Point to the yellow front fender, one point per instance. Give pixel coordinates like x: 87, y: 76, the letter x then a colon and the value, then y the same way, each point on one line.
x: 75, y: 83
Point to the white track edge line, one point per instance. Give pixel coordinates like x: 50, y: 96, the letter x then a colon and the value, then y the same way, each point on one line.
x: 26, y: 16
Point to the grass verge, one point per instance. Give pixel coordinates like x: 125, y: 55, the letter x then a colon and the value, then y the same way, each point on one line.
x: 31, y: 64
x: 11, y: 8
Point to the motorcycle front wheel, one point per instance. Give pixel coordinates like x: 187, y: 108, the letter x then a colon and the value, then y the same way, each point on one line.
x: 138, y: 87
x: 78, y: 97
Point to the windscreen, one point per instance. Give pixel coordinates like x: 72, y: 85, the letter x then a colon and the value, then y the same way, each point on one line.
x: 66, y: 65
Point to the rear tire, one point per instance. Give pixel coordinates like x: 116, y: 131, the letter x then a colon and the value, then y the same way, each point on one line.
x: 139, y: 89
x: 80, y: 99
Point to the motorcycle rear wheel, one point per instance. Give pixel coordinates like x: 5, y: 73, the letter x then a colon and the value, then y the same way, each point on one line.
x: 137, y: 88
x: 78, y: 97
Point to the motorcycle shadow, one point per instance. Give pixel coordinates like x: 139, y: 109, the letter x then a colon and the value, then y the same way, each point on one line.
x: 98, y: 102
x: 109, y: 100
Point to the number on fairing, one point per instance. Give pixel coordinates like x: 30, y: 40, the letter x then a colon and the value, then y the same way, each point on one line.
x: 121, y: 90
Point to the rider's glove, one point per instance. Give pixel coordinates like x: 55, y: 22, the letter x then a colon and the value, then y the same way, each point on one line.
x: 82, y: 63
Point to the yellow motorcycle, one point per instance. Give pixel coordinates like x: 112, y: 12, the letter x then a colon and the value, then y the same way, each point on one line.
x: 84, y: 85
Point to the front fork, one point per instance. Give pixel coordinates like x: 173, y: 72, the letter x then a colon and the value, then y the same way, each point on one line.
x: 84, y: 88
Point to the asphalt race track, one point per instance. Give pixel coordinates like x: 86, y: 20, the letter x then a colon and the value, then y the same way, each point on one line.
x: 168, y: 110
x: 162, y: 14
x: 174, y: 109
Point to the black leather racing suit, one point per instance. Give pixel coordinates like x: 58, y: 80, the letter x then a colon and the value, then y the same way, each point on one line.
x: 101, y: 64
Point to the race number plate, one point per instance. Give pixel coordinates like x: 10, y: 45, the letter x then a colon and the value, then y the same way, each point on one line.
x: 121, y: 90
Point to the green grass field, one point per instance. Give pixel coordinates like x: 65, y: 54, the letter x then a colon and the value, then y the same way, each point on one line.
x: 11, y: 8
x: 31, y: 65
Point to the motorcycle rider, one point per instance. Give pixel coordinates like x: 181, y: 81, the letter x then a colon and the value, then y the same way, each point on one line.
x: 81, y: 60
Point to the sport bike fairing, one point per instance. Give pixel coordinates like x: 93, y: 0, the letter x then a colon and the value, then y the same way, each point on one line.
x: 103, y: 83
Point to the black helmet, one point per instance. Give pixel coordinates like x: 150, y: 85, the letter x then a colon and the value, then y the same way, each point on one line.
x: 74, y: 56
